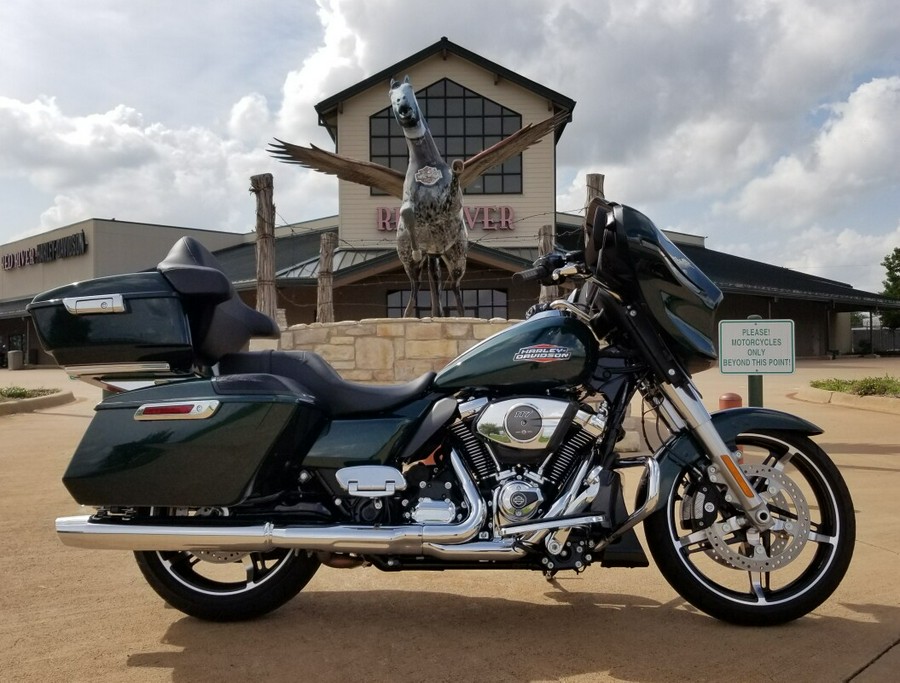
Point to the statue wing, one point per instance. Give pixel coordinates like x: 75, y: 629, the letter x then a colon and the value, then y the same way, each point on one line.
x: 508, y: 147
x: 362, y: 172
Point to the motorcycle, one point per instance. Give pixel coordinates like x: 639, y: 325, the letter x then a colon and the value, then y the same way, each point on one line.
x: 234, y: 475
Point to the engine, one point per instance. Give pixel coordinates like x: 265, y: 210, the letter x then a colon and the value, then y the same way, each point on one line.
x: 523, y: 450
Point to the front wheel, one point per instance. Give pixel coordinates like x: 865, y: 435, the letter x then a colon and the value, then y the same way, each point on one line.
x: 227, y: 586
x: 717, y: 561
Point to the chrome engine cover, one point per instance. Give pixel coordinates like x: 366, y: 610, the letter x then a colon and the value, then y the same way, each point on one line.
x: 518, y: 500
x: 522, y: 423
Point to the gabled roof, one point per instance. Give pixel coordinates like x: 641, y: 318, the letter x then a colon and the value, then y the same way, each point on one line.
x: 743, y: 276
x: 239, y: 262
x: 327, y: 107
x: 350, y: 262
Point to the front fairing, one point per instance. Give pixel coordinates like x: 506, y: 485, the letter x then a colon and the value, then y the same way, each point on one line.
x: 681, y: 299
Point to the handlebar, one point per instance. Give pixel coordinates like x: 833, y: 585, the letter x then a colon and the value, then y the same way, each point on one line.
x: 537, y: 273
x: 554, y: 268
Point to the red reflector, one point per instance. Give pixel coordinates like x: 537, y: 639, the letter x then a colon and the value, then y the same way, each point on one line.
x: 178, y: 409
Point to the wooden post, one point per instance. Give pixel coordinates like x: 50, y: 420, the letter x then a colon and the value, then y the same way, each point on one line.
x: 594, y: 191
x: 546, y: 238
x: 594, y: 187
x: 325, y: 297
x: 262, y: 186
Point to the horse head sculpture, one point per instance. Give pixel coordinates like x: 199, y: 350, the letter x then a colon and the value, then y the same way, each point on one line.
x: 431, y: 230
x: 406, y: 109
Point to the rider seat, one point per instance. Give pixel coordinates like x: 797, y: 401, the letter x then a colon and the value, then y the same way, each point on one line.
x: 339, y: 396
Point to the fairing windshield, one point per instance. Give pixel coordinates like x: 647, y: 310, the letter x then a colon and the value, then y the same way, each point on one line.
x: 639, y: 258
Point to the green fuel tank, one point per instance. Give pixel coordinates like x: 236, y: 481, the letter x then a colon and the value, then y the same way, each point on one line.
x: 547, y: 350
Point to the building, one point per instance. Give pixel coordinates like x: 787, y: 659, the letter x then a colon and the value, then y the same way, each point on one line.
x: 470, y: 103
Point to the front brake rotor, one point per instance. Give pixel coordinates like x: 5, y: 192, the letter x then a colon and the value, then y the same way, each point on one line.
x: 733, y: 541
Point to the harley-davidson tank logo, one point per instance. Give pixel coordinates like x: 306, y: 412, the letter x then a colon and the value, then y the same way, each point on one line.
x: 428, y: 175
x: 543, y: 353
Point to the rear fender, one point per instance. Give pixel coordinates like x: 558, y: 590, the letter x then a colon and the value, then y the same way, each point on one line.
x: 682, y: 451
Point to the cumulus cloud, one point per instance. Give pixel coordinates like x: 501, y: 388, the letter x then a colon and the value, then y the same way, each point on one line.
x: 855, y: 153
x: 842, y: 253
x: 113, y: 164
x: 250, y: 121
x: 706, y: 114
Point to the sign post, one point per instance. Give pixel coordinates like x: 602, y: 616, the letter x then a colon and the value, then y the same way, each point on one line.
x: 756, y: 347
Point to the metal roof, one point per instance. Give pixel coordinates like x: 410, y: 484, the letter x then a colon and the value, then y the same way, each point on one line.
x: 344, y: 259
x: 742, y: 276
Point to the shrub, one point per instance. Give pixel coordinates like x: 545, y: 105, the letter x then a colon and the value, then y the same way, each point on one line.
x: 22, y: 392
x: 867, y: 386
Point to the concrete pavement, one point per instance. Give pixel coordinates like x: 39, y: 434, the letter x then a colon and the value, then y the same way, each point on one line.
x: 72, y: 614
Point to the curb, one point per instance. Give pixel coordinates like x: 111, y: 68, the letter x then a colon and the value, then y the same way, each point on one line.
x: 27, y: 405
x: 878, y: 404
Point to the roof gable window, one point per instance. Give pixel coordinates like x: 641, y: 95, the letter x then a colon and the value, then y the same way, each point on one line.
x: 462, y: 123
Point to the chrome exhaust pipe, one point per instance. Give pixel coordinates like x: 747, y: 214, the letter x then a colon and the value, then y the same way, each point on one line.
x: 422, y: 539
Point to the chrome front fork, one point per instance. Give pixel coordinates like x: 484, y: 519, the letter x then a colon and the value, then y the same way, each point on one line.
x: 685, y: 403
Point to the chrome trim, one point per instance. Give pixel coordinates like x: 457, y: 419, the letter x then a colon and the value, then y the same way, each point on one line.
x: 497, y: 416
x: 687, y: 403
x: 100, y: 303
x: 651, y: 501
x: 418, y: 539
x: 77, y: 371
x: 200, y: 410
x: 118, y: 377
x: 569, y: 307
x: 593, y: 423
x: 550, y: 525
x: 370, y: 481
x: 479, y: 551
x: 554, y: 522
x: 561, y: 505
x: 471, y: 407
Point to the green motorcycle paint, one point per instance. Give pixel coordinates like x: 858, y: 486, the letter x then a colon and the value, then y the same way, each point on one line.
x: 546, y: 351
x: 368, y: 440
x: 681, y: 450
x: 152, y: 326
x: 184, y: 463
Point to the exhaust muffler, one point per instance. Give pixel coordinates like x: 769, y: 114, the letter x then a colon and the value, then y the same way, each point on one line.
x: 423, y: 539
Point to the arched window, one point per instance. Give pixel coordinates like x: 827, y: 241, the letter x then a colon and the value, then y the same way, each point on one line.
x: 462, y: 123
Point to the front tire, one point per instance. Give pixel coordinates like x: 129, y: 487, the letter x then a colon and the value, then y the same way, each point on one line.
x: 722, y: 565
x: 227, y: 586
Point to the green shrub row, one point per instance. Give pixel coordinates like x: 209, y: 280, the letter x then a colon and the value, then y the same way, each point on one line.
x: 867, y: 386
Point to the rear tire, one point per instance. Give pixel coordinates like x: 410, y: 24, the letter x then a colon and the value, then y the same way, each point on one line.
x: 220, y: 586
x: 724, y: 567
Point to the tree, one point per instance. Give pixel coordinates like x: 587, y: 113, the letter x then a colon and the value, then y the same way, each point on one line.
x: 891, y: 319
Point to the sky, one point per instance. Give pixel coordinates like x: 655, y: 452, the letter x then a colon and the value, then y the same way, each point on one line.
x: 771, y: 127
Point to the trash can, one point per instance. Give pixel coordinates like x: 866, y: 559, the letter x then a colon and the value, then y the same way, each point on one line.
x: 14, y: 359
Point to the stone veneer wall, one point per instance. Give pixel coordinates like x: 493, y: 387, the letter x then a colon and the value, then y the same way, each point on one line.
x: 388, y: 350
x: 391, y: 350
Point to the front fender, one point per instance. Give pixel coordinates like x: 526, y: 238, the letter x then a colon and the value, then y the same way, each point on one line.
x: 682, y: 451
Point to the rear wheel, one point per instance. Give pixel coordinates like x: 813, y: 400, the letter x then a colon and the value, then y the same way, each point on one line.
x: 227, y: 586
x: 717, y: 561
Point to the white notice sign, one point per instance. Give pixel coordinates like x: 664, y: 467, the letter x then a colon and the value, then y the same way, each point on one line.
x: 756, y: 347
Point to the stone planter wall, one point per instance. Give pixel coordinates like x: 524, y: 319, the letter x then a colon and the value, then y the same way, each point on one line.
x: 389, y: 350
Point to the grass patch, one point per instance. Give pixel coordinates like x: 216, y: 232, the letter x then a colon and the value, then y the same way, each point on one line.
x: 22, y: 392
x: 867, y: 386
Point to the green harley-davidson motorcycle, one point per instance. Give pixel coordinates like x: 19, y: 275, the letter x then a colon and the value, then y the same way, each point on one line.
x: 233, y: 475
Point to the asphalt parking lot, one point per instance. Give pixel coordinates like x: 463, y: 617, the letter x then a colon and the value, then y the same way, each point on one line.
x: 77, y: 615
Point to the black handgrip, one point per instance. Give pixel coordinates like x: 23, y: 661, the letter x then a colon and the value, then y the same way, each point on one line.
x: 530, y: 274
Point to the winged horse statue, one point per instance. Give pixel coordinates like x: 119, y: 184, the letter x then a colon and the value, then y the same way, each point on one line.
x: 431, y: 228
